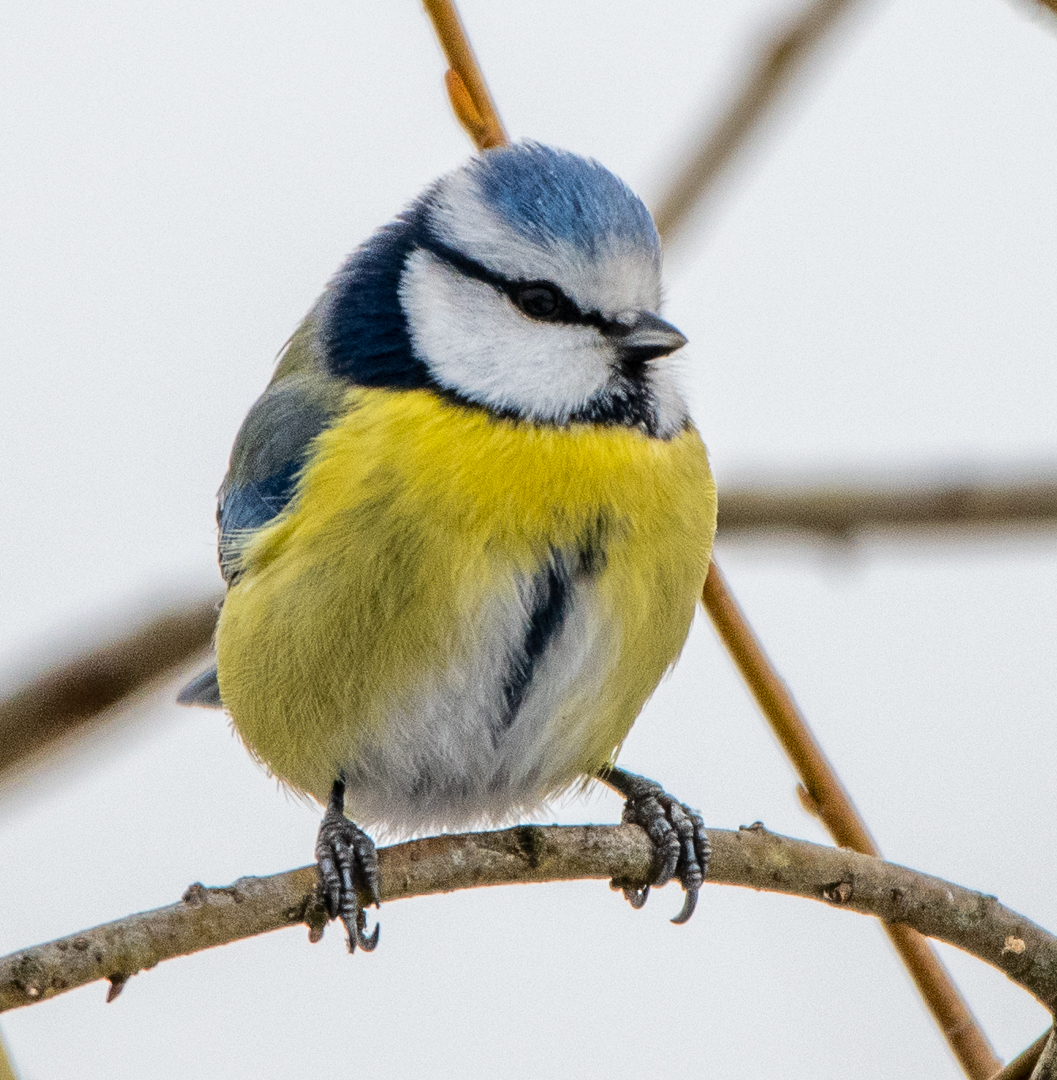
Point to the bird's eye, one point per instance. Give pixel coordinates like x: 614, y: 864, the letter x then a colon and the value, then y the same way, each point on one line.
x: 538, y: 301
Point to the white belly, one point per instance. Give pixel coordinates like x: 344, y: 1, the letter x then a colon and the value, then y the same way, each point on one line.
x: 451, y: 759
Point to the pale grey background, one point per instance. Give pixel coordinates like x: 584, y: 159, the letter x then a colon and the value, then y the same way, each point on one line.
x: 872, y: 288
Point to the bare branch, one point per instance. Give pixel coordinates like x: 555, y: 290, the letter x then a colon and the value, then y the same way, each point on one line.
x: 468, y: 93
x: 826, y: 797
x: 1046, y: 1066
x: 1022, y: 1066
x: 62, y: 700
x: 839, y: 510
x: 765, y: 82
x: 753, y: 858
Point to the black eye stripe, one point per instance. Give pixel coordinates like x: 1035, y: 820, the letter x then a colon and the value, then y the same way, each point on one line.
x: 567, y: 312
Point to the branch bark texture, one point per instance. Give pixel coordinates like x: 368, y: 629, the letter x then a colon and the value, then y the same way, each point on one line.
x: 752, y: 858
x: 1022, y: 1067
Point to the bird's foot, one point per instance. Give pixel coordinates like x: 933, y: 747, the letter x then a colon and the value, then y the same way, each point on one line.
x: 680, y: 844
x: 348, y: 871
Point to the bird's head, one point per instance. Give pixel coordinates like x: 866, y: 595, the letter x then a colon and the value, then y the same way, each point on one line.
x: 527, y: 282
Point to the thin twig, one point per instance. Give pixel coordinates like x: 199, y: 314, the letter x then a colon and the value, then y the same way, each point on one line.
x: 1022, y: 1066
x: 468, y: 92
x: 826, y: 797
x: 1046, y: 1066
x: 766, y: 81
x: 65, y: 698
x: 839, y: 510
x: 753, y: 858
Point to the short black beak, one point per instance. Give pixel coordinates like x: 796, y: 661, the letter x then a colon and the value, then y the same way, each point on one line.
x: 647, y: 338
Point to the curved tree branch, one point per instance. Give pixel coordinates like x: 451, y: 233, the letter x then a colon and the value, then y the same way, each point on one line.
x: 751, y: 857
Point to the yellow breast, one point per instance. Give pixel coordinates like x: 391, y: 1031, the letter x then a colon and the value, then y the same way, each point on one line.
x: 415, y: 517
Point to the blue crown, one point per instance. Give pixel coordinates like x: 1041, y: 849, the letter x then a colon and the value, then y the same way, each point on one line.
x: 550, y: 195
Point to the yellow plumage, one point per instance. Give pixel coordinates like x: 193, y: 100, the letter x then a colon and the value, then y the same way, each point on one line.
x: 415, y: 519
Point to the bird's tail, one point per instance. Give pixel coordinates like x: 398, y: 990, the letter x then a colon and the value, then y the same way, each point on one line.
x: 202, y: 690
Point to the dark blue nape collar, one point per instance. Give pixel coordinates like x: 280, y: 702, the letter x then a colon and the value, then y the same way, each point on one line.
x: 364, y: 333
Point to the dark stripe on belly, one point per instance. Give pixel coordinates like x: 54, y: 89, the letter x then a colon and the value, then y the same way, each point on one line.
x: 550, y: 594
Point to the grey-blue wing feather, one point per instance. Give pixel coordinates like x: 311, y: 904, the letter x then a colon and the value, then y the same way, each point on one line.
x: 270, y: 451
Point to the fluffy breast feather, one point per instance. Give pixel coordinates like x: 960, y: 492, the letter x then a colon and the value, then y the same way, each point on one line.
x: 384, y: 608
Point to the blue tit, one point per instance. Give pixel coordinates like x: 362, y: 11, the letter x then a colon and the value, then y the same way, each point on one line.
x: 465, y: 528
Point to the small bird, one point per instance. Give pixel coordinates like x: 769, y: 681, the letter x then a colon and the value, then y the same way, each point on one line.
x: 465, y: 527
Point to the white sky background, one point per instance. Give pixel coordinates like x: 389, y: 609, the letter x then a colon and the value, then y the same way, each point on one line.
x: 873, y: 288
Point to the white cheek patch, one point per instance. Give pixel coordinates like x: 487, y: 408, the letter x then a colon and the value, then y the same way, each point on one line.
x: 475, y: 342
x: 618, y: 275
x: 666, y: 394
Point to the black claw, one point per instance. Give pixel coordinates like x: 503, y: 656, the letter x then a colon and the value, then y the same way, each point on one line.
x: 348, y: 868
x: 368, y: 944
x: 680, y: 844
x: 689, y: 903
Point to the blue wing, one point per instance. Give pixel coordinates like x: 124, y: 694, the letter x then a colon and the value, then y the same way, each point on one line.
x: 269, y: 452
